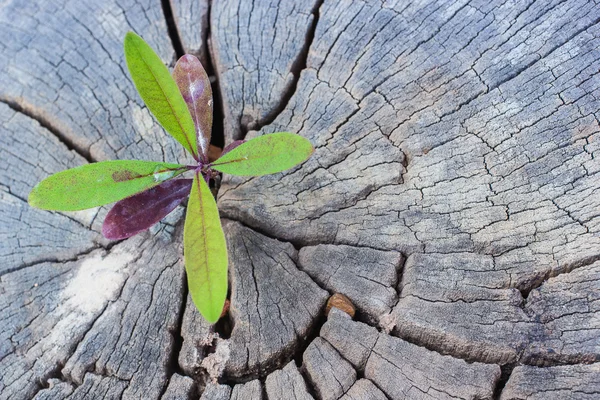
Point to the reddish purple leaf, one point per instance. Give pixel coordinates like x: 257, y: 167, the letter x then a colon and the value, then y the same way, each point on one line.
x: 139, y: 212
x: 231, y: 146
x: 194, y: 86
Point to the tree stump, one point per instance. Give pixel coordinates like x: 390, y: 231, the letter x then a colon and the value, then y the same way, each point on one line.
x: 453, y: 197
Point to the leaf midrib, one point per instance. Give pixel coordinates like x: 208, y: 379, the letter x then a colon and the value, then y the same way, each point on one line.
x: 204, y: 236
x: 169, y: 102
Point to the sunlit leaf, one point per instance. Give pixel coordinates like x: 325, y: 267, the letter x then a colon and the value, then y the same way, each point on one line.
x: 96, y: 184
x: 265, y: 154
x: 140, y: 211
x: 205, y: 252
x: 159, y: 91
x: 194, y: 86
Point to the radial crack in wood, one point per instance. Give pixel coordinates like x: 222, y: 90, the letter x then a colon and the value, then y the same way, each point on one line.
x: 330, y: 374
x: 568, y: 310
x: 147, y: 307
x: 273, y: 308
x: 459, y: 304
x: 66, y: 315
x: 367, y: 276
x: 198, y: 337
x: 28, y: 236
x: 191, y: 19
x: 63, y: 60
x: 248, y: 391
x: 558, y: 324
x: 364, y: 389
x: 256, y: 47
x: 472, y: 140
x: 462, y: 134
x: 402, y: 370
x: 287, y: 384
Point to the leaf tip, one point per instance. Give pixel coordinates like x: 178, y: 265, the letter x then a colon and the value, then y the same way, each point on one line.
x: 131, y: 35
x: 189, y: 62
x: 210, y: 312
x: 33, y: 199
x: 110, y: 229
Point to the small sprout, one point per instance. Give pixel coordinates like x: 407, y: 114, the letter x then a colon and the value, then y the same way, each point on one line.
x: 145, y: 191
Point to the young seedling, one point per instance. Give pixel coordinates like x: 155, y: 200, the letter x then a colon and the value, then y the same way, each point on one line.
x: 146, y: 191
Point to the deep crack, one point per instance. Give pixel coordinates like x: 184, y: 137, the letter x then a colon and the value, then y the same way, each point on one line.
x: 297, y: 67
x: 506, y: 372
x: 50, y: 127
x: 172, y: 28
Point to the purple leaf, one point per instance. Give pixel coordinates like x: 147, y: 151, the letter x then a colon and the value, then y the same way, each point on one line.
x: 231, y: 146
x: 139, y: 212
x: 194, y: 85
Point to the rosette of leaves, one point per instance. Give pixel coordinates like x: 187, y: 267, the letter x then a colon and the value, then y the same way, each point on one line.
x: 145, y: 191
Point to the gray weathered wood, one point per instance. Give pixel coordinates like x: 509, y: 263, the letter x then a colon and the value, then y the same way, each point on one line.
x: 573, y: 382
x: 364, y: 389
x: 93, y: 386
x: 273, y: 304
x: 568, y: 309
x: 273, y: 308
x: 216, y: 392
x: 250, y: 391
x: 146, y: 313
x: 461, y: 136
x: 354, y: 341
x: 56, y: 388
x: 256, y: 48
x: 197, y: 336
x: 81, y: 86
x: 95, y: 314
x: 367, y: 276
x: 404, y: 370
x: 330, y: 374
x: 29, y: 236
x: 191, y: 20
x: 180, y: 388
x: 459, y: 304
x: 469, y: 145
x: 286, y: 383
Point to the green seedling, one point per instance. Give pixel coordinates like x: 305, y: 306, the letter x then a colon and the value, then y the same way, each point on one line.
x: 147, y: 191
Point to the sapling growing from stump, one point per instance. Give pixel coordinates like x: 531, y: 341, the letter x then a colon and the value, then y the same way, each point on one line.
x: 146, y: 191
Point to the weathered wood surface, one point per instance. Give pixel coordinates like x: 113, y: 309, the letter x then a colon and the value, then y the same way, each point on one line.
x: 453, y: 197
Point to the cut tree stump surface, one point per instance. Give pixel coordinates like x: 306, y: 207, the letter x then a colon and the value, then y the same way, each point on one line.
x: 453, y: 197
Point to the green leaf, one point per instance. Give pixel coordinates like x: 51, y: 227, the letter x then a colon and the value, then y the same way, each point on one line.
x: 205, y: 252
x: 265, y: 154
x: 96, y: 184
x: 159, y: 91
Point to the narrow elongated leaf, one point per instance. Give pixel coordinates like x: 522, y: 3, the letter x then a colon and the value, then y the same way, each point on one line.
x: 194, y: 86
x: 140, y: 211
x: 205, y: 252
x: 159, y: 91
x: 96, y: 184
x: 265, y: 154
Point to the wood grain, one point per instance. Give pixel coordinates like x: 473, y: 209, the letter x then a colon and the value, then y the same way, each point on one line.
x: 452, y: 197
